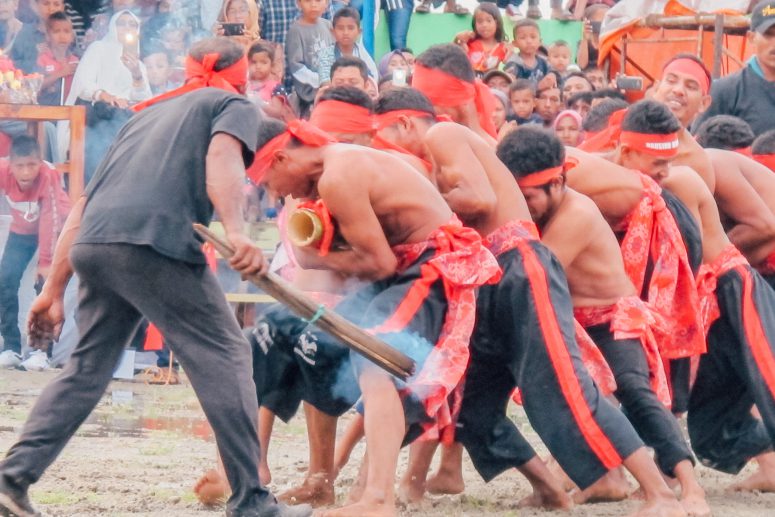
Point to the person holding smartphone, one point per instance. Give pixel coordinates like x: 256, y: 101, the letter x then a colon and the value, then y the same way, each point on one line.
x: 590, y: 39
x: 238, y: 19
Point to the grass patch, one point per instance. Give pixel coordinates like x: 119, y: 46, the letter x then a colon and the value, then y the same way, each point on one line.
x: 58, y: 497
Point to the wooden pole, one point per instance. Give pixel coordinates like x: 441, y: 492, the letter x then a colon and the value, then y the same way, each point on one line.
x: 355, y: 338
x: 718, y: 45
x: 708, y: 20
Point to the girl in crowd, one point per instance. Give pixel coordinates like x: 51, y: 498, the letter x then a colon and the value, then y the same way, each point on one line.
x: 391, y: 62
x: 567, y: 125
x: 486, y: 43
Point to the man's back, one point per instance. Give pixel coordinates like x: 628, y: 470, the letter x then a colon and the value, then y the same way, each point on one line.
x: 151, y: 185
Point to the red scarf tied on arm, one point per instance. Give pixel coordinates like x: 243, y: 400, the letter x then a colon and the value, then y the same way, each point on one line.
x: 446, y: 90
x: 334, y: 116
x: 203, y: 75
x: 301, y: 130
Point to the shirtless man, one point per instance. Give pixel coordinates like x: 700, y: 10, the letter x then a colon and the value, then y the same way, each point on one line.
x: 405, y: 240
x: 604, y: 299
x: 735, y: 373
x: 480, y: 189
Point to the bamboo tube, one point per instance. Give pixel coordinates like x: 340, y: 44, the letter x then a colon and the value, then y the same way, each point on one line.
x: 707, y: 20
x: 355, y: 338
x: 304, y: 228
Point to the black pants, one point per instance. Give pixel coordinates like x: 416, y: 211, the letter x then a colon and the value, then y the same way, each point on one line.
x: 119, y: 285
x: 525, y: 336
x: 651, y: 419
x: 19, y: 250
x: 733, y: 376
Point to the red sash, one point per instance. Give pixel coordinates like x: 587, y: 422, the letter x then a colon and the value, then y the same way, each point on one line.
x: 707, y: 278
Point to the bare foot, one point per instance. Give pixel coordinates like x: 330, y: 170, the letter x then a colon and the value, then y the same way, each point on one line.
x: 611, y: 487
x: 264, y: 474
x: 548, y: 500
x: 759, y: 481
x: 660, y: 508
x: 211, y: 489
x: 695, y: 504
x: 411, y: 491
x: 559, y: 473
x: 446, y: 482
x: 362, y: 509
x: 316, y: 490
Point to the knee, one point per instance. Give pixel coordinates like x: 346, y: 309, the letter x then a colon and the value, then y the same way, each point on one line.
x: 633, y: 387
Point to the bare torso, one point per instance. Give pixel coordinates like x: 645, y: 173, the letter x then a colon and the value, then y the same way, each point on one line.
x: 460, y: 153
x: 692, y: 155
x: 586, y: 246
x: 615, y: 190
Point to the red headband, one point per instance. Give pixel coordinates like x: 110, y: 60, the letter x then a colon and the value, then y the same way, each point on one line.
x: 446, y: 90
x: 539, y: 178
x: 689, y: 67
x: 386, y: 145
x: 607, y: 138
x: 665, y: 146
x: 389, y: 118
x: 745, y: 151
x: 335, y: 116
x: 202, y: 75
x: 303, y: 131
x: 768, y: 160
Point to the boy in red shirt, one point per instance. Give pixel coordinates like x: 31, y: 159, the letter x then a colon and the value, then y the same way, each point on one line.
x: 57, y: 62
x: 39, y: 207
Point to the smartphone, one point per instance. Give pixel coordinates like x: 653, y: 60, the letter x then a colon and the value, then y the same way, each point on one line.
x: 399, y: 77
x: 233, y: 29
x: 596, y: 27
x: 629, y: 82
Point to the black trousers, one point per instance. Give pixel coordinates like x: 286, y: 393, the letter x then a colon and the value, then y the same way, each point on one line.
x: 737, y: 372
x: 119, y: 285
x: 525, y: 337
x: 655, y: 424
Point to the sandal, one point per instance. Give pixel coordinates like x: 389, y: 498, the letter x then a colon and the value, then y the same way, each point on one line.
x: 157, y: 376
x: 458, y: 9
x: 423, y: 8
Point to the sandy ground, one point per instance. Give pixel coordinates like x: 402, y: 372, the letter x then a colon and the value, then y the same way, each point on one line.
x: 143, y: 448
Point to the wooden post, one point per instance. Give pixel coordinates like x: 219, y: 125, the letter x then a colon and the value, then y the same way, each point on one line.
x: 718, y: 45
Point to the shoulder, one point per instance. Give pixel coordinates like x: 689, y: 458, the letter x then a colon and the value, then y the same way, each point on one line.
x: 449, y: 131
x: 581, y: 210
x: 727, y: 84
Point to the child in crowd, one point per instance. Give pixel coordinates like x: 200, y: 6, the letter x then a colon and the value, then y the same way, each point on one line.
x: 527, y: 64
x: 501, y: 108
x: 559, y: 57
x: 261, y: 60
x: 486, y: 43
x: 306, y: 39
x: 347, y: 33
x: 39, y: 208
x: 56, y: 61
x: 522, y: 101
x: 498, y: 80
x: 32, y: 37
x: 158, y: 67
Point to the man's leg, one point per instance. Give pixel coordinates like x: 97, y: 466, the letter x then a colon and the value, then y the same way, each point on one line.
x: 19, y: 250
x: 106, y: 322
x: 398, y: 24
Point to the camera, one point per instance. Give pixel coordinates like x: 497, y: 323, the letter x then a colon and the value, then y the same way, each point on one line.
x: 629, y: 82
x: 233, y: 29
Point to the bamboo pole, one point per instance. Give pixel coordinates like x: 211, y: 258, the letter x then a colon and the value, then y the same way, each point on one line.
x: 355, y: 338
x: 707, y: 20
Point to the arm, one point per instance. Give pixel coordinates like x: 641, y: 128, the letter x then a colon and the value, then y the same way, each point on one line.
x: 86, y: 73
x: 346, y: 193
x: 582, y: 55
x: 462, y: 180
x: 225, y: 177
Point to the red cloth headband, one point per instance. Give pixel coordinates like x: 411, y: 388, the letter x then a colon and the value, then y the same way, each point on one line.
x: 386, y: 145
x: 389, y: 118
x: 607, y: 138
x: 689, y: 67
x: 335, y: 116
x: 539, y: 178
x: 665, y: 146
x: 446, y: 90
x: 303, y: 131
x: 202, y: 75
x: 768, y: 160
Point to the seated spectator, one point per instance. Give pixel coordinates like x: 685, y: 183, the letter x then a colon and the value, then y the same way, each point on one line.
x: 596, y: 77
x: 559, y: 57
x: 763, y: 149
x: 57, y: 61
x: 498, y: 80
x: 32, y: 36
x: 548, y: 103
x: 597, y: 118
x: 347, y: 36
x: 522, y: 101
x: 589, y: 46
x: 486, y: 44
x: 239, y: 11
x: 501, y: 108
x: 580, y: 103
x: 306, y: 37
x: 111, y: 70
x: 261, y: 84
x: 10, y: 26
x: 527, y: 64
x: 393, y: 61
x: 567, y: 125
x: 158, y: 67
x: 349, y: 71
x: 725, y: 132
x: 575, y: 82
x: 39, y: 208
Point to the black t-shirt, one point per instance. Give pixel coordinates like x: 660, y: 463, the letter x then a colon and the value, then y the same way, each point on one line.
x: 151, y: 186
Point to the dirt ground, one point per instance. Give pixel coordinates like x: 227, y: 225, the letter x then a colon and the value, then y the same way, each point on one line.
x: 144, y: 447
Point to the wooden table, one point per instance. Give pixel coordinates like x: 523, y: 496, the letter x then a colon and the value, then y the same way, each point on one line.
x: 76, y: 115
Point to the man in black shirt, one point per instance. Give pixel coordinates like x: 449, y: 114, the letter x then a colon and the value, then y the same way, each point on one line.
x: 131, y: 242
x: 750, y: 93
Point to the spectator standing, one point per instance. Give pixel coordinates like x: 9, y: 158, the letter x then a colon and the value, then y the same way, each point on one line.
x: 347, y: 36
x: 56, y: 61
x: 239, y: 11
x: 276, y: 17
x: 39, y: 208
x: 398, y: 15
x: 100, y: 23
x: 10, y: 26
x: 589, y: 46
x: 260, y: 61
x: 485, y: 44
x: 527, y: 64
x: 32, y: 36
x: 306, y: 40
x: 750, y: 93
